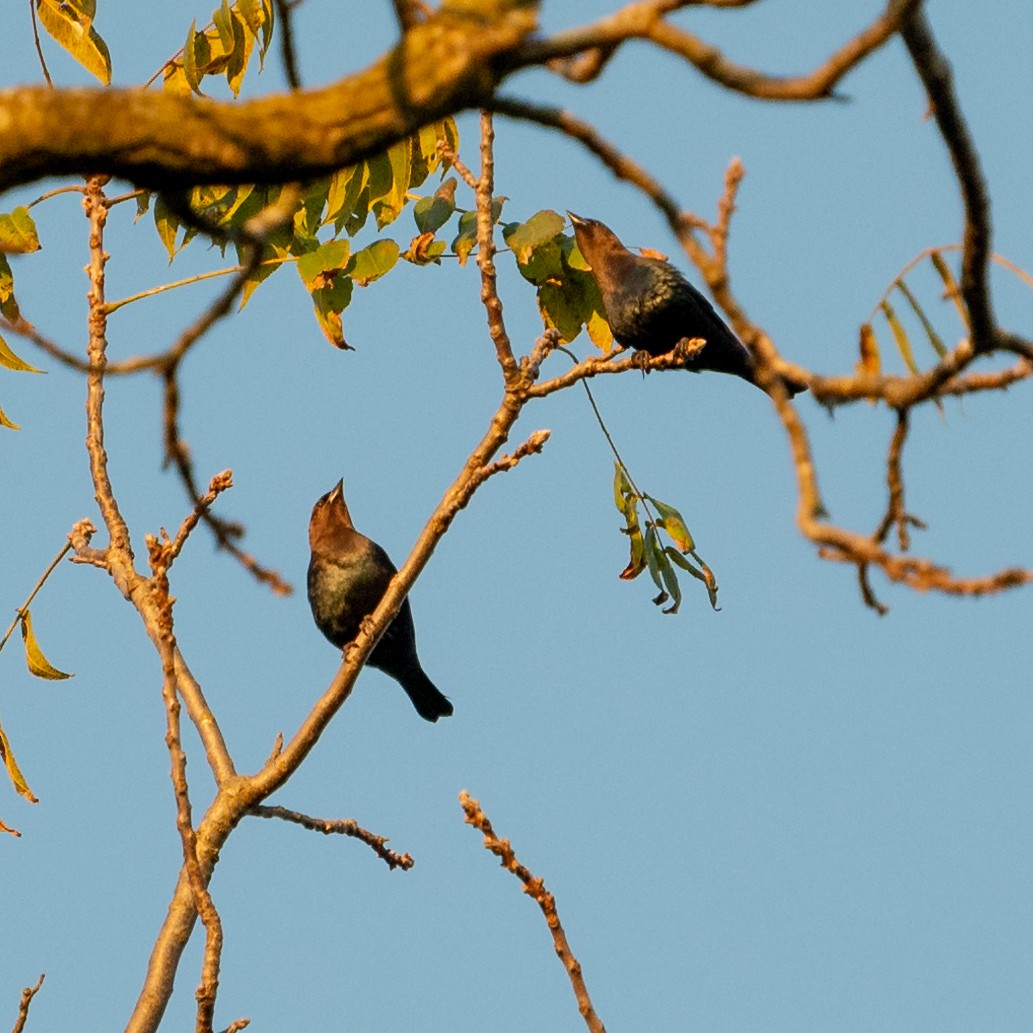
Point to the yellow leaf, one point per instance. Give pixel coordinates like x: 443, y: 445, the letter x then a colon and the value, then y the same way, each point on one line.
x: 951, y: 286
x: 18, y: 232
x: 13, y: 772
x: 70, y: 23
x: 39, y: 665
x: 868, y: 345
x: 11, y: 361
x: 5, y: 422
x: 899, y: 336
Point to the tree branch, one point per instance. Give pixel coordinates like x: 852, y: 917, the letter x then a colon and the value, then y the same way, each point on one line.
x: 451, y: 62
x: 535, y: 889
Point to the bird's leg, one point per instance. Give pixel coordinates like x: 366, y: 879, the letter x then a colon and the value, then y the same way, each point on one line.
x: 641, y: 359
x: 688, y: 348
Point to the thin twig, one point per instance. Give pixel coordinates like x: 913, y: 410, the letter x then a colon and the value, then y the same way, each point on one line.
x: 20, y: 612
x: 39, y: 48
x: 534, y: 887
x: 340, y: 827
x: 486, y: 253
x: 23, y: 1007
x: 226, y: 533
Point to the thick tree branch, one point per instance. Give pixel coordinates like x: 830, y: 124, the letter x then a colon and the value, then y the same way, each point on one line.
x: 935, y: 73
x: 449, y: 63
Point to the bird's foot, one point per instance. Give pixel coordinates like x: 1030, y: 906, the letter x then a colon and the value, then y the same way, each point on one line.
x: 640, y: 360
x: 688, y: 348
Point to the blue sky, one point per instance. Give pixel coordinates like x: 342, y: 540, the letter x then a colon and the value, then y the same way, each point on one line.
x: 790, y: 815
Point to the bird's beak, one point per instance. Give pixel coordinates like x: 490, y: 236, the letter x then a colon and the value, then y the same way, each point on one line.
x: 337, y: 493
x: 575, y: 220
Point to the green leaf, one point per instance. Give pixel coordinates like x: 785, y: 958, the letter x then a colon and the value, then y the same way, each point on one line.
x: 11, y: 361
x: 222, y: 19
x: 192, y: 69
x: 39, y: 665
x: 329, y: 303
x: 239, y: 56
x: 431, y: 213
x: 360, y: 213
x: 70, y: 23
x: 899, y: 336
x: 674, y: 525
x: 319, y: 268
x: 18, y: 232
x: 526, y: 236
x: 560, y: 310
x: 466, y: 240
x: 701, y: 573
x: 621, y: 486
x: 372, y: 262
x: 167, y: 226
x: 653, y: 561
x: 13, y: 771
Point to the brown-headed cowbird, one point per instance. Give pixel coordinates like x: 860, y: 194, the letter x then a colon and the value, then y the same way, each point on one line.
x: 651, y: 306
x: 347, y: 577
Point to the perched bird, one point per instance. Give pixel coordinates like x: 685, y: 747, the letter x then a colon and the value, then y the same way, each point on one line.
x: 651, y: 306
x: 347, y: 577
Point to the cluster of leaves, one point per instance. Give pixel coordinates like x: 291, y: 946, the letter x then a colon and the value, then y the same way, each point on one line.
x: 648, y: 552
x: 222, y: 48
x: 568, y: 295
x: 327, y: 208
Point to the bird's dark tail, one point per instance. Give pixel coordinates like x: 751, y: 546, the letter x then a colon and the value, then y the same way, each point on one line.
x: 430, y: 704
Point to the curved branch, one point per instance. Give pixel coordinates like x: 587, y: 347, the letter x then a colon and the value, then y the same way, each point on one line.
x: 645, y: 20
x: 935, y: 73
x: 449, y: 63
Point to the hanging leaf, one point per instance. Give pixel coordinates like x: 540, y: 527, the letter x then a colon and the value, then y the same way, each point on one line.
x: 899, y: 336
x: 39, y: 665
x: 193, y: 61
x: 5, y: 422
x: 868, y: 346
x: 701, y: 573
x: 952, y: 287
x: 239, y: 56
x: 11, y: 361
x: 18, y: 232
x: 674, y: 525
x: 319, y: 268
x: 329, y: 303
x: 525, y: 237
x: 431, y: 213
x: 13, y: 771
x: 654, y: 562
x: 8, y: 304
x: 373, y: 261
x: 70, y: 23
x: 930, y: 330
